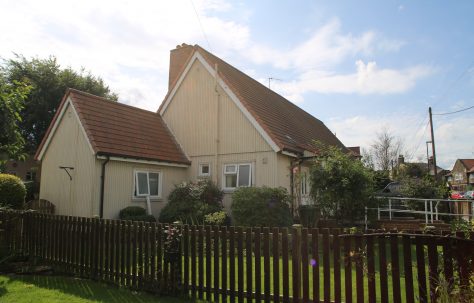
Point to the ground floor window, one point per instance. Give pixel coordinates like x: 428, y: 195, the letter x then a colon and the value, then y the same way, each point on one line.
x: 147, y: 183
x: 237, y: 175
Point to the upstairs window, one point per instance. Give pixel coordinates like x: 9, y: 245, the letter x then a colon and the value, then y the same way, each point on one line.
x: 147, y: 183
x: 237, y: 175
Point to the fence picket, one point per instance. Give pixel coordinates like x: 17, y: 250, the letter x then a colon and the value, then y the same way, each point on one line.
x: 276, y: 264
x: 131, y: 254
x: 395, y: 268
x: 383, y: 270
x: 409, y: 294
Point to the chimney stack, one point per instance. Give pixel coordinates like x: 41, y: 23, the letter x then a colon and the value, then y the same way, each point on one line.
x: 178, y: 58
x: 401, y: 159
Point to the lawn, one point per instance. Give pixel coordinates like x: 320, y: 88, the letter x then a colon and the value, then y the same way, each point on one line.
x: 51, y: 289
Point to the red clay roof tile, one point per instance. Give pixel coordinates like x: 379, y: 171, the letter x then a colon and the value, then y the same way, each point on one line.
x: 118, y: 129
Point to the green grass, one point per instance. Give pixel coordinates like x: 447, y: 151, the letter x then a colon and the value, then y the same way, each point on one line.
x: 52, y: 289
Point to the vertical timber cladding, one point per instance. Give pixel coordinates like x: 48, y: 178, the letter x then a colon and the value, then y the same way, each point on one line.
x: 119, y: 186
x: 70, y: 148
x: 191, y: 116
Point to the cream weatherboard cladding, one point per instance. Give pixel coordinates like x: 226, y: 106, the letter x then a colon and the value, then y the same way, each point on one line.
x: 119, y: 186
x: 69, y: 147
x: 194, y: 118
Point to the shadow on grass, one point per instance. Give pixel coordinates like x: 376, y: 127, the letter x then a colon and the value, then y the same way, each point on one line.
x: 86, y: 289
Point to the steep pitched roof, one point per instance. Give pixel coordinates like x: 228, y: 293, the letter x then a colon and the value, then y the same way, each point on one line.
x: 121, y: 130
x: 468, y: 163
x: 290, y: 127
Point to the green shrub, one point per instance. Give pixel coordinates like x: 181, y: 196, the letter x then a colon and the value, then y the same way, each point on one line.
x: 32, y: 188
x: 190, y: 202
x: 217, y: 218
x: 12, y: 191
x: 261, y: 206
x: 309, y: 215
x: 136, y: 213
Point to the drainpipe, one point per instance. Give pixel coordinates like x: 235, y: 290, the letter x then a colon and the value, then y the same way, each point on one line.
x: 102, y: 185
x: 216, y: 155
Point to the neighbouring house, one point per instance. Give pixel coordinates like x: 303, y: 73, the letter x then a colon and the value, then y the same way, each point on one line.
x: 27, y: 170
x: 462, y: 175
x: 215, y: 122
x: 423, y: 167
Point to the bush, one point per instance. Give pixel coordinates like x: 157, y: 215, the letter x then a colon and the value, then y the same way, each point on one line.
x: 261, y: 206
x: 190, y: 202
x: 217, y: 218
x: 12, y: 191
x: 32, y: 188
x: 136, y: 213
x: 309, y: 215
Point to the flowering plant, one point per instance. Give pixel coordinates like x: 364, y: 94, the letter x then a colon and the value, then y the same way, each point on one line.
x: 172, y: 239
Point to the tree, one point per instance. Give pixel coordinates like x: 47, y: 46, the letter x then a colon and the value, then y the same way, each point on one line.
x: 12, y: 97
x: 385, y: 149
x: 49, y: 83
x: 341, y: 186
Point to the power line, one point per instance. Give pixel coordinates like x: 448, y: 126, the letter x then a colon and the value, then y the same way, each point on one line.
x: 419, y: 142
x: 200, y: 24
x: 455, y: 112
x: 453, y: 83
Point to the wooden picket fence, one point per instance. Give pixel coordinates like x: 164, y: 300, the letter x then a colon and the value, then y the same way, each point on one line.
x: 235, y: 264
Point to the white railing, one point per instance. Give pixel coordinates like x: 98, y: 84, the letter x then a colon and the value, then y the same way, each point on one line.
x: 394, y: 205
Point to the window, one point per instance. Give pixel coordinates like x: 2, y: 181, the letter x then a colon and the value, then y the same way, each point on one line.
x: 204, y: 170
x: 237, y: 175
x: 304, y: 185
x: 458, y: 177
x: 147, y: 183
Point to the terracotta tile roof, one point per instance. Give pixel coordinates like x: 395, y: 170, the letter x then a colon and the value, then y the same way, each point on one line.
x: 355, y: 150
x: 468, y: 163
x: 118, y: 129
x: 290, y: 127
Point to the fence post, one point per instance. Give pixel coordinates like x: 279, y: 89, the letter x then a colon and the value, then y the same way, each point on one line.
x: 431, y: 210
x: 390, y: 209
x: 426, y: 211
x: 296, y: 258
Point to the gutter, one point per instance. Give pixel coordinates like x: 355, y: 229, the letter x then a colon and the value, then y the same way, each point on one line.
x: 102, y: 185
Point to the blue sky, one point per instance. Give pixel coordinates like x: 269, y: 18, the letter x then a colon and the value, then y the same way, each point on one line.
x: 359, y: 66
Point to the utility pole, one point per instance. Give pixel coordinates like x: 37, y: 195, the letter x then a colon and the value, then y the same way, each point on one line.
x: 435, y: 168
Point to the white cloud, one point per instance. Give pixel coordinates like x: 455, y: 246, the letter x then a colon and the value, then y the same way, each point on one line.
x: 367, y: 79
x: 450, y: 138
x: 326, y: 47
x: 126, y: 43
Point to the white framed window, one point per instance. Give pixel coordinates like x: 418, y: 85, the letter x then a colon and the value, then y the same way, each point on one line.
x: 304, y: 184
x: 204, y: 170
x: 147, y: 183
x: 237, y: 175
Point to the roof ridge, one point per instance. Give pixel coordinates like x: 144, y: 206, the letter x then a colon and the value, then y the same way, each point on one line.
x: 259, y: 83
x: 86, y: 94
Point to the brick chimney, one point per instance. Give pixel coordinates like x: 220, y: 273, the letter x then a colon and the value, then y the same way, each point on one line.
x: 401, y: 159
x: 178, y: 58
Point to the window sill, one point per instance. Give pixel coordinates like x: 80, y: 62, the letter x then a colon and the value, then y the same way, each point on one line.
x: 152, y: 199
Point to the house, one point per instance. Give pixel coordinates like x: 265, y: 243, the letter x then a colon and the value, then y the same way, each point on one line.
x: 215, y: 122
x: 27, y: 170
x: 462, y: 175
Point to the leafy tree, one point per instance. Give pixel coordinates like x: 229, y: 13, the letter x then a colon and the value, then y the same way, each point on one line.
x: 49, y: 82
x: 341, y: 186
x: 381, y: 179
x: 12, y: 97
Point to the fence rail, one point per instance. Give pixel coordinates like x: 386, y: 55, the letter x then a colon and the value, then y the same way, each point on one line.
x: 236, y: 264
